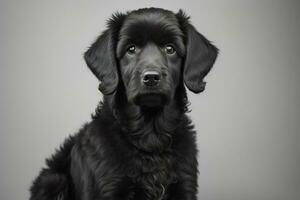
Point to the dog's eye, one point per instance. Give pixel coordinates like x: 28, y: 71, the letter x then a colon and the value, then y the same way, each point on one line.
x: 169, y: 49
x: 131, y: 49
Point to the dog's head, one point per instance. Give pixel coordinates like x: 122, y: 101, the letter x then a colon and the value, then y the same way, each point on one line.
x: 150, y: 52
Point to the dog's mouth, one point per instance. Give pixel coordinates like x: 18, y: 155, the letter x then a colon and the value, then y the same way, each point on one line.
x: 151, y: 100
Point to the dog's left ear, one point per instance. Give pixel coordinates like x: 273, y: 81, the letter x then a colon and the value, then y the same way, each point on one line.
x: 200, y: 56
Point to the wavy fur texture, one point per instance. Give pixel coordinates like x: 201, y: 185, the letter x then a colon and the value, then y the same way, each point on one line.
x: 128, y: 151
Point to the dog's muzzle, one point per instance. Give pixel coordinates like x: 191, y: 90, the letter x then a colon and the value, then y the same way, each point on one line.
x: 151, y: 78
x: 153, y: 89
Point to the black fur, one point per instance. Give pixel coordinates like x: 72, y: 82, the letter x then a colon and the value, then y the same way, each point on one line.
x: 135, y: 148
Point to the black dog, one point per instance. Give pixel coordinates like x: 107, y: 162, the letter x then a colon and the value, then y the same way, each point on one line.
x: 140, y: 144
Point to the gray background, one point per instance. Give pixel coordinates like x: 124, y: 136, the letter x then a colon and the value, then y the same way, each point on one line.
x: 248, y: 119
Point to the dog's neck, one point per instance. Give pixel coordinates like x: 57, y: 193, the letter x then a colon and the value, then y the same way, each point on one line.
x: 148, y: 129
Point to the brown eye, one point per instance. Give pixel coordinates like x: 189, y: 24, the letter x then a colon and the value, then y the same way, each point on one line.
x: 169, y: 49
x: 131, y: 49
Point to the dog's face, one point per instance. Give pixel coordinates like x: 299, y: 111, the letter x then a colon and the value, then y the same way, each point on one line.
x: 150, y: 51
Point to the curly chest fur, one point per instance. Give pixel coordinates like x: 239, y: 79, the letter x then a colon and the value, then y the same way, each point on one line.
x: 142, y: 175
x: 148, y: 174
x: 152, y: 173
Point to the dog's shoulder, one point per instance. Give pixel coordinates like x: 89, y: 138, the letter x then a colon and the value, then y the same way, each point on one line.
x: 184, y: 141
x: 53, y: 180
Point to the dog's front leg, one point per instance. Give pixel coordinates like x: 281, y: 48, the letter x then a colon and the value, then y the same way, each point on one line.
x: 185, y: 190
x: 186, y: 185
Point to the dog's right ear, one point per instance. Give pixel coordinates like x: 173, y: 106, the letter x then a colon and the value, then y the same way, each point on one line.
x: 101, y: 60
x: 101, y: 56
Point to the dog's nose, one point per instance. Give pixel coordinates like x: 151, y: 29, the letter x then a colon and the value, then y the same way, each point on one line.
x: 151, y: 78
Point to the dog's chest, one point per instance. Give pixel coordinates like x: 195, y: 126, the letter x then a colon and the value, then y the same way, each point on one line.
x: 152, y: 173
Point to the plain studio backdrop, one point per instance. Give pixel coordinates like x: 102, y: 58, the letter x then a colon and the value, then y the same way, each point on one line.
x: 248, y: 118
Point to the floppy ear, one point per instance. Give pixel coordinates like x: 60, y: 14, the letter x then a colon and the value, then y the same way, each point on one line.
x: 101, y: 60
x: 200, y: 57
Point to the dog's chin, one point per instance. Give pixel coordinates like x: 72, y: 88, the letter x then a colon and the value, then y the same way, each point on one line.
x: 151, y: 100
